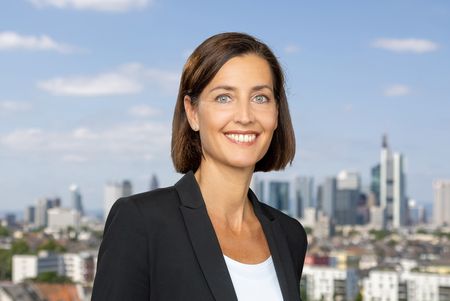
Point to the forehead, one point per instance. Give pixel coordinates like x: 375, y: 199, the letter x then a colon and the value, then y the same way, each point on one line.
x: 243, y: 72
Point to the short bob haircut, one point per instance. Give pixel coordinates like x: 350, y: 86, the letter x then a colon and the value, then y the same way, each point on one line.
x: 199, y: 70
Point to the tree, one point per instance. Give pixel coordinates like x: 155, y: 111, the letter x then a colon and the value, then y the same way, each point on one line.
x: 20, y: 246
x: 4, y: 232
x: 359, y: 297
x: 51, y: 277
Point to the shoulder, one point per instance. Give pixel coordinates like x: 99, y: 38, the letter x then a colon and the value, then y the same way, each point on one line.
x: 292, y: 227
x: 150, y: 204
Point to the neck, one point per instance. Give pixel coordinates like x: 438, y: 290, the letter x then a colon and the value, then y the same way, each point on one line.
x: 225, y: 192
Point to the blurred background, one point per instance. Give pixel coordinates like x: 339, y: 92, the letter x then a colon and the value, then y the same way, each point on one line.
x: 87, y: 91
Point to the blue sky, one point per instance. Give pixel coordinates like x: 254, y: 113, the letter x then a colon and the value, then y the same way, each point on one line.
x: 87, y: 88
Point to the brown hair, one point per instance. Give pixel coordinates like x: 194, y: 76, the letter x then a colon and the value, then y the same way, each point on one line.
x: 199, y: 70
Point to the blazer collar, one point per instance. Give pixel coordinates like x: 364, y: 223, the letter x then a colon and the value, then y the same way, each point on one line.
x: 207, y: 248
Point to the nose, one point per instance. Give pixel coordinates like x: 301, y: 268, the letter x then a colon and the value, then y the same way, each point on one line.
x: 243, y: 112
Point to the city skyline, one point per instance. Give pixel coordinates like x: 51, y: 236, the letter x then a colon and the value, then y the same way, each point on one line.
x: 77, y: 108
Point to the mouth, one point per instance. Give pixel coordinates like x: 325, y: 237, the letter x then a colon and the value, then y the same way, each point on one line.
x: 242, y: 138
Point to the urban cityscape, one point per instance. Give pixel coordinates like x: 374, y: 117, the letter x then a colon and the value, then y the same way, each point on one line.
x: 366, y: 242
x: 87, y: 95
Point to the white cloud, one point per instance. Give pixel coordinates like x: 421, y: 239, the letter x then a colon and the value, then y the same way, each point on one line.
x: 71, y: 158
x: 83, y: 133
x: 291, y: 49
x: 99, y: 85
x: 97, y: 5
x: 144, y: 140
x: 405, y: 45
x: 127, y: 79
x: 14, y: 106
x: 10, y: 40
x: 397, y: 90
x: 143, y: 111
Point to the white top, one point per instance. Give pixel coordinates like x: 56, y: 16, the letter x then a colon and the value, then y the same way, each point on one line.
x: 254, y: 281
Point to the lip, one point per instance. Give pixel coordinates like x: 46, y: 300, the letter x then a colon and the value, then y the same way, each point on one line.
x: 248, y: 143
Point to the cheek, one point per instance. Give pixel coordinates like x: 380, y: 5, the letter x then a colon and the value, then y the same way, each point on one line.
x: 270, y: 122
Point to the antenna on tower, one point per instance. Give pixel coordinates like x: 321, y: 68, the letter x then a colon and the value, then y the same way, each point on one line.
x: 385, y: 142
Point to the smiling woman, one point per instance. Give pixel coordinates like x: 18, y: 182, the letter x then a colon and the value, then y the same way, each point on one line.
x: 208, y: 237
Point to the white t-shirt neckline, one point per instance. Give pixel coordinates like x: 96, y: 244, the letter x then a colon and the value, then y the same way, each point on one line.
x: 254, y: 281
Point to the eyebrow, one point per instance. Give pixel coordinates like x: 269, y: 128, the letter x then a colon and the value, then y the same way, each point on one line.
x: 230, y: 88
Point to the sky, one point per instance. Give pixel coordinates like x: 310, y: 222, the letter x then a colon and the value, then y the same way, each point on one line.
x: 88, y: 87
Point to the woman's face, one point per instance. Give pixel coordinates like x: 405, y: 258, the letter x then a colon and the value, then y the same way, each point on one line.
x: 236, y: 113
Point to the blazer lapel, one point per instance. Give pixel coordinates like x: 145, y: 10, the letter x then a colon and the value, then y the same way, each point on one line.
x: 204, y: 240
x: 279, y: 248
x: 207, y: 248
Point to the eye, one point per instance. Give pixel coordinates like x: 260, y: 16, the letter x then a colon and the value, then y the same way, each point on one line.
x: 223, y: 98
x: 261, y: 99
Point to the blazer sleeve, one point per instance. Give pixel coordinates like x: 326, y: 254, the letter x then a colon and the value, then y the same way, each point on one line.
x: 122, y: 265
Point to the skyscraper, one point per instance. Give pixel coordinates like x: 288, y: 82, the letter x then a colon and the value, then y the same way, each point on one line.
x: 40, y: 217
x: 348, y: 186
x: 393, y: 187
x: 76, y: 200
x: 375, y: 183
x: 329, y: 188
x: 29, y: 215
x: 441, y: 207
x: 305, y: 192
x: 279, y: 195
x: 113, y: 192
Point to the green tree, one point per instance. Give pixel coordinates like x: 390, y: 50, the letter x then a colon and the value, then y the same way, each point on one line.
x: 4, y: 232
x: 5, y: 264
x: 51, y: 277
x: 20, y: 246
x: 359, y: 297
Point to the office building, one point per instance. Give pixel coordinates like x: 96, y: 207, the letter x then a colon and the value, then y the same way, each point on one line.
x: 60, y: 219
x: 76, y: 199
x: 329, y: 283
x: 348, y: 186
x: 393, y: 187
x: 29, y: 214
x: 441, y: 205
x: 329, y: 189
x: 406, y: 285
x: 79, y: 267
x: 375, y: 184
x: 305, y: 194
x: 113, y: 192
x: 42, y: 205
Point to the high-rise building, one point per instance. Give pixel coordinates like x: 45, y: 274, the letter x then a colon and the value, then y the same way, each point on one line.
x: 441, y: 208
x: 393, y: 187
x: 42, y: 205
x: 305, y: 192
x: 113, y: 192
x: 154, y: 183
x: 76, y: 199
x: 348, y: 186
x: 28, y: 217
x: 60, y: 219
x: 375, y: 183
x: 329, y: 189
x: 279, y: 195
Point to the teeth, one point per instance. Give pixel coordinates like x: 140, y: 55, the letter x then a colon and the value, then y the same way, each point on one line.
x: 242, y: 138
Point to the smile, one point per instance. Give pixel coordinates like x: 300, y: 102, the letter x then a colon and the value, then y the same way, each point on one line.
x: 242, y: 138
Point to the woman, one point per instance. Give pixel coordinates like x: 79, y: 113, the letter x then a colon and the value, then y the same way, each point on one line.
x: 208, y: 237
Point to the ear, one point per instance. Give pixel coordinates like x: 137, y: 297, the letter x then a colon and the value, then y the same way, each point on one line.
x: 191, y: 113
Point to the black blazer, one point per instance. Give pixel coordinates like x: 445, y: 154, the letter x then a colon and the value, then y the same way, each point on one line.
x: 161, y: 246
